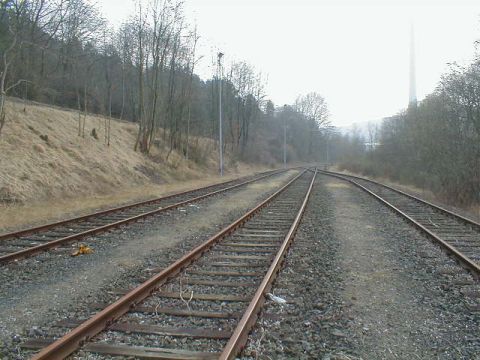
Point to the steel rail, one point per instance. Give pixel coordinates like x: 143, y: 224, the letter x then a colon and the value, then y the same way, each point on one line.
x: 74, y: 339
x: 461, y: 257
x: 248, y: 320
x: 55, y: 243
x: 398, y: 191
x: 40, y: 228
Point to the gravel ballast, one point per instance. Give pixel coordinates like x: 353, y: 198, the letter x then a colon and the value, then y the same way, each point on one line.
x: 42, y: 290
x: 360, y: 283
x: 363, y: 284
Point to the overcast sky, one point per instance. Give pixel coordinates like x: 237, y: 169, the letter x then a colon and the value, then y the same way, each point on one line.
x: 353, y: 52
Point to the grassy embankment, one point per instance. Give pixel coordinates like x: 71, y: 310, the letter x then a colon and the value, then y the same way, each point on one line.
x: 48, y: 172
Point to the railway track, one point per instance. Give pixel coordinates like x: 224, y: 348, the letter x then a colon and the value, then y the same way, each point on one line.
x: 203, y: 305
x: 458, y: 235
x: 28, y: 242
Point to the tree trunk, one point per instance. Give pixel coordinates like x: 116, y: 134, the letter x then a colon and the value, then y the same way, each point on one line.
x: 2, y: 108
x: 84, y: 109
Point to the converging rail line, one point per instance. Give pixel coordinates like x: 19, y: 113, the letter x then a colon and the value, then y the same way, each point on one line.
x: 458, y: 235
x: 21, y: 244
x: 204, y: 304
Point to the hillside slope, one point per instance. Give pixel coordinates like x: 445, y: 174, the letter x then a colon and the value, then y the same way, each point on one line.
x: 42, y: 159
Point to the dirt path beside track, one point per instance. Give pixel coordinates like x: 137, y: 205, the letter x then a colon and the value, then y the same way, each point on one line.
x: 362, y: 284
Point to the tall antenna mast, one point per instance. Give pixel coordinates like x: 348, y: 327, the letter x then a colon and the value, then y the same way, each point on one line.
x: 412, y: 101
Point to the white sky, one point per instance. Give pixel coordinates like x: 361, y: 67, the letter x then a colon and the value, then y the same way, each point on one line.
x: 353, y: 52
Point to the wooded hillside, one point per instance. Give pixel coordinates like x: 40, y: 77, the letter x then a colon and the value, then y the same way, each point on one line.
x: 434, y: 146
x: 63, y: 52
x: 42, y: 158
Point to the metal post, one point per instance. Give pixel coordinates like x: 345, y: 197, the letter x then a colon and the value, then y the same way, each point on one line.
x: 328, y: 131
x: 328, y: 160
x: 284, y: 136
x: 220, y: 136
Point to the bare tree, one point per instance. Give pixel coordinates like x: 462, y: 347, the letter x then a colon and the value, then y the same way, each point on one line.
x: 315, y: 110
x: 141, y: 29
x: 12, y: 16
x: 191, y: 65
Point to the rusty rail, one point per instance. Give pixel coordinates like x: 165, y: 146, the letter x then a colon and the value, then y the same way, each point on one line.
x: 437, y: 207
x: 40, y: 228
x: 55, y: 243
x: 74, y: 339
x: 461, y: 257
x: 240, y: 335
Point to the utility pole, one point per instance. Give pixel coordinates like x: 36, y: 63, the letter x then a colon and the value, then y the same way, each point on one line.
x: 220, y: 135
x: 329, y: 130
x: 285, y: 136
x: 328, y: 155
x: 412, y: 100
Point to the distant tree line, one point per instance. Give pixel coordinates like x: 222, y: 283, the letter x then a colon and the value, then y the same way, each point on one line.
x: 63, y: 52
x: 435, y: 145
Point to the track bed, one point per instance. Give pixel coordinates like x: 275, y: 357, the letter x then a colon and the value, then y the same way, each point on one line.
x: 205, y: 303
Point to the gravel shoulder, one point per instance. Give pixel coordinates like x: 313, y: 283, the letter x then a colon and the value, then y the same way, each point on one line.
x: 362, y: 284
x: 401, y: 305
x: 39, y: 291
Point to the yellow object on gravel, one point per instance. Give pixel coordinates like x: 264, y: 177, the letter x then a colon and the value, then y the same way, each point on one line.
x: 83, y: 249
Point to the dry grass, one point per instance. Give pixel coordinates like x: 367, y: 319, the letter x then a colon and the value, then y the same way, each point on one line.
x: 23, y: 215
x: 48, y: 172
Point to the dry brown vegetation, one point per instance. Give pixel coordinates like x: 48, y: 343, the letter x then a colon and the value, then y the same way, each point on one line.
x: 48, y: 170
